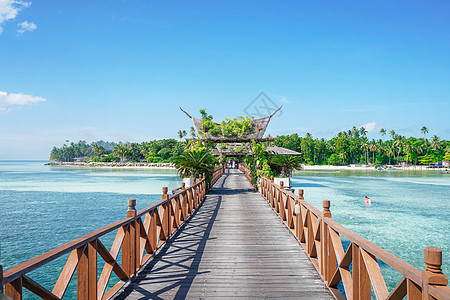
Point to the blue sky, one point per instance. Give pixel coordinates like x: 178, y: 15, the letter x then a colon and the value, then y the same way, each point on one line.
x: 119, y: 70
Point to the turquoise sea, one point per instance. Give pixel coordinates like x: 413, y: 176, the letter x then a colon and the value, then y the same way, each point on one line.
x: 410, y: 210
x: 43, y: 207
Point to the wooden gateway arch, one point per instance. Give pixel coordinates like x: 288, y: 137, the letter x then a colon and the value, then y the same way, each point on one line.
x: 258, y: 129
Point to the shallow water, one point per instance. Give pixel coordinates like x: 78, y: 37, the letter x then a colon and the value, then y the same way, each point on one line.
x: 43, y: 207
x: 409, y: 210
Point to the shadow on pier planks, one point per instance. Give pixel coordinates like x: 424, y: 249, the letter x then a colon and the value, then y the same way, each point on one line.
x: 234, y: 246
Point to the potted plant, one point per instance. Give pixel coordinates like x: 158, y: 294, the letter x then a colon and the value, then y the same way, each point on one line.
x: 193, y: 162
x: 284, y: 165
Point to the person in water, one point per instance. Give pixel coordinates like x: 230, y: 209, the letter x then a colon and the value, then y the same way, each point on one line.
x: 367, y: 200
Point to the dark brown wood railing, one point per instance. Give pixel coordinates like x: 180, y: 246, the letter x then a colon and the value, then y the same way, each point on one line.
x: 320, y: 236
x: 138, y: 237
x: 244, y: 169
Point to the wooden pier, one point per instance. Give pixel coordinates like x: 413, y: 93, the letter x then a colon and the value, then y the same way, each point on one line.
x: 230, y: 243
x: 235, y: 245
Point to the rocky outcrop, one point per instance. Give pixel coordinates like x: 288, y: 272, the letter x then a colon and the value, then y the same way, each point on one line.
x: 111, y: 164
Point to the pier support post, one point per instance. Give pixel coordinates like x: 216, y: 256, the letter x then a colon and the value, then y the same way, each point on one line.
x: 432, y: 275
x: 129, y: 247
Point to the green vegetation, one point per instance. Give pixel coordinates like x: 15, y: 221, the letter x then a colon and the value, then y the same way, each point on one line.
x: 347, y: 147
x: 157, y: 151
x: 235, y: 127
x: 353, y: 147
x: 194, y: 161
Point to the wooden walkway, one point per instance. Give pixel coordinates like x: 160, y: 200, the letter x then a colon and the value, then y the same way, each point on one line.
x: 234, y: 246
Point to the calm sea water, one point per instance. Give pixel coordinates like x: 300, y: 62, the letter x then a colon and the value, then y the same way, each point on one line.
x: 409, y: 210
x: 43, y: 207
x: 46, y: 206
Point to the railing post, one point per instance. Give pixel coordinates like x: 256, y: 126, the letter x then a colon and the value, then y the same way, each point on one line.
x: 184, y: 204
x: 203, y: 186
x: 272, y: 192
x: 14, y: 289
x: 1, y: 280
x: 298, y: 216
x: 326, y: 260
x: 87, y: 273
x: 194, y: 194
x: 432, y: 275
x: 166, y: 218
x: 129, y: 243
x: 2, y: 296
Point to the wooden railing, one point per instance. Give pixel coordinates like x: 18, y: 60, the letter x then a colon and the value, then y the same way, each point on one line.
x: 244, y: 169
x: 218, y: 171
x: 138, y: 237
x: 320, y: 236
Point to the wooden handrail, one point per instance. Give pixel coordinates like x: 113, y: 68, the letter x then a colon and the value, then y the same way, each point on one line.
x: 138, y: 237
x: 320, y: 236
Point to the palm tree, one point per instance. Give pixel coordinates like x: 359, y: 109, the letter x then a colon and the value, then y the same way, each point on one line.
x: 363, y: 131
x: 424, y: 131
x: 120, y: 151
x: 181, y: 134
x: 343, y: 156
x: 392, y: 133
x: 383, y: 132
x: 365, y: 148
x: 288, y: 163
x: 194, y: 162
x: 408, y: 147
x: 98, y: 149
x: 192, y: 132
x: 390, y: 152
x: 373, y: 148
x: 435, y: 143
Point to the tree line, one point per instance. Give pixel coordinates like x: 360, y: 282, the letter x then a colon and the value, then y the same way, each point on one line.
x: 157, y: 151
x: 347, y: 147
x: 354, y: 147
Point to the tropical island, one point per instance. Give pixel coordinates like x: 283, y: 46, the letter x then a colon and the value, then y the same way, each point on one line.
x: 351, y: 147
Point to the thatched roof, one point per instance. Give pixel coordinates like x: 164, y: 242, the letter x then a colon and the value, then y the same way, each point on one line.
x: 239, y: 149
x: 281, y: 151
x: 258, y: 128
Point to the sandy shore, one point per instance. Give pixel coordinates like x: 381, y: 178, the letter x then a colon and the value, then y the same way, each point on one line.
x: 170, y: 166
x: 364, y: 168
x: 162, y: 166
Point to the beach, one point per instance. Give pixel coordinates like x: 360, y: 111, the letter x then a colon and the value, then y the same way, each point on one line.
x: 365, y: 167
x: 125, y: 165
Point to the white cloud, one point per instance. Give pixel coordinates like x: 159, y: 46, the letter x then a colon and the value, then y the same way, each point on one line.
x: 370, y: 127
x: 9, y: 10
x: 8, y: 101
x: 25, y: 26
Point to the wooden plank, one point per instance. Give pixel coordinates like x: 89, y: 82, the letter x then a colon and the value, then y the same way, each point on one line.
x: 66, y: 275
x: 364, y: 279
x: 14, y: 289
x: 396, y: 263
x: 28, y: 266
x: 376, y: 278
x: 355, y: 270
x: 399, y: 292
x: 110, y: 262
x: 217, y: 253
x: 37, y: 289
x: 414, y: 291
